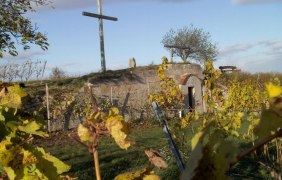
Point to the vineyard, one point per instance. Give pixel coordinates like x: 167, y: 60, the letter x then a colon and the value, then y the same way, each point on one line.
x: 238, y: 136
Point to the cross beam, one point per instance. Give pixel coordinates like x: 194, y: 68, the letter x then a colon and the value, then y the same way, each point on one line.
x: 101, y: 31
x: 183, y: 48
x: 177, y: 47
x: 99, y: 16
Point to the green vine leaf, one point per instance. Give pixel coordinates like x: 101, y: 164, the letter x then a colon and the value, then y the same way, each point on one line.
x: 32, y: 128
x: 212, y: 155
x: 269, y: 123
x: 48, y: 164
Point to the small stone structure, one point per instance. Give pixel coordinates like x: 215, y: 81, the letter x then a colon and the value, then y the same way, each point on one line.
x: 132, y: 63
x: 132, y: 93
x: 129, y: 90
x: 190, y: 78
x: 191, y: 86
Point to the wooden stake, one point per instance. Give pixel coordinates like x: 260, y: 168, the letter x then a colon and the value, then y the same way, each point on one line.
x: 48, y: 110
x: 111, y: 94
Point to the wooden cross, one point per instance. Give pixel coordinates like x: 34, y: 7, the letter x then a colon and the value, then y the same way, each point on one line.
x: 176, y: 47
x: 101, y: 32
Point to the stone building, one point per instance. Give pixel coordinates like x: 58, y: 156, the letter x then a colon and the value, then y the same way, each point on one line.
x: 190, y: 78
x: 131, y: 92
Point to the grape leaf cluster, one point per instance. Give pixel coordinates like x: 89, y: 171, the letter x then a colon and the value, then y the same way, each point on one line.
x: 19, y: 159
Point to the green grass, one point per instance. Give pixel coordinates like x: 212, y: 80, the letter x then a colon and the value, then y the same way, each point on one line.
x: 114, y: 160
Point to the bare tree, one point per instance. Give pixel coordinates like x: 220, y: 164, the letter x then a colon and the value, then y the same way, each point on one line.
x: 39, y: 68
x: 57, y: 73
x: 28, y: 71
x: 12, y: 71
x: 24, y: 71
x: 3, y: 72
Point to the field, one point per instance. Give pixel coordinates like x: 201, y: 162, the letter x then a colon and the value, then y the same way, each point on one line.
x: 114, y: 160
x: 220, y: 135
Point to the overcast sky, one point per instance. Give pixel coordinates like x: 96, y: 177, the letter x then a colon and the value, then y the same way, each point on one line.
x: 248, y: 33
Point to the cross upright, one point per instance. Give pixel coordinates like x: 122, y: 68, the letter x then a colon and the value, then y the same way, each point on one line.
x: 100, y: 16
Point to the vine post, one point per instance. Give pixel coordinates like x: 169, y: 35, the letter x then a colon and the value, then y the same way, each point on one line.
x: 48, y: 108
x: 111, y: 94
x: 172, y: 144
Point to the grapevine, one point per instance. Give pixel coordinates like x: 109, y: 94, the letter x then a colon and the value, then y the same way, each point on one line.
x: 213, y: 153
x: 100, y: 123
x: 170, y: 96
x: 19, y: 159
x: 227, y: 108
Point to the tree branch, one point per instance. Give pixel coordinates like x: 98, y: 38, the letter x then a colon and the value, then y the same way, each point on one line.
x: 256, y: 146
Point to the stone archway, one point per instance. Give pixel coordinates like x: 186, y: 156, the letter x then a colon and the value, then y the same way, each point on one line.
x: 191, y: 86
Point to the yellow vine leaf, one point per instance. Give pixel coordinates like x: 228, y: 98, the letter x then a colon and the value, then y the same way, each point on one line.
x: 273, y: 90
x: 164, y: 60
x: 152, y: 177
x: 173, y: 92
x: 117, y: 128
x: 184, y: 123
x: 131, y: 175
x: 151, y: 97
x: 28, y: 158
x: 17, y: 90
x: 238, y: 119
x: 161, y: 75
x: 84, y: 134
x: 142, y: 174
x: 113, y: 111
x: 12, y: 97
x: 10, y: 172
x: 5, y: 155
x: 234, y: 133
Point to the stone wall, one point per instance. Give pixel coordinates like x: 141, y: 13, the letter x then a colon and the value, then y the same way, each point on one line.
x: 132, y: 92
x: 129, y: 91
